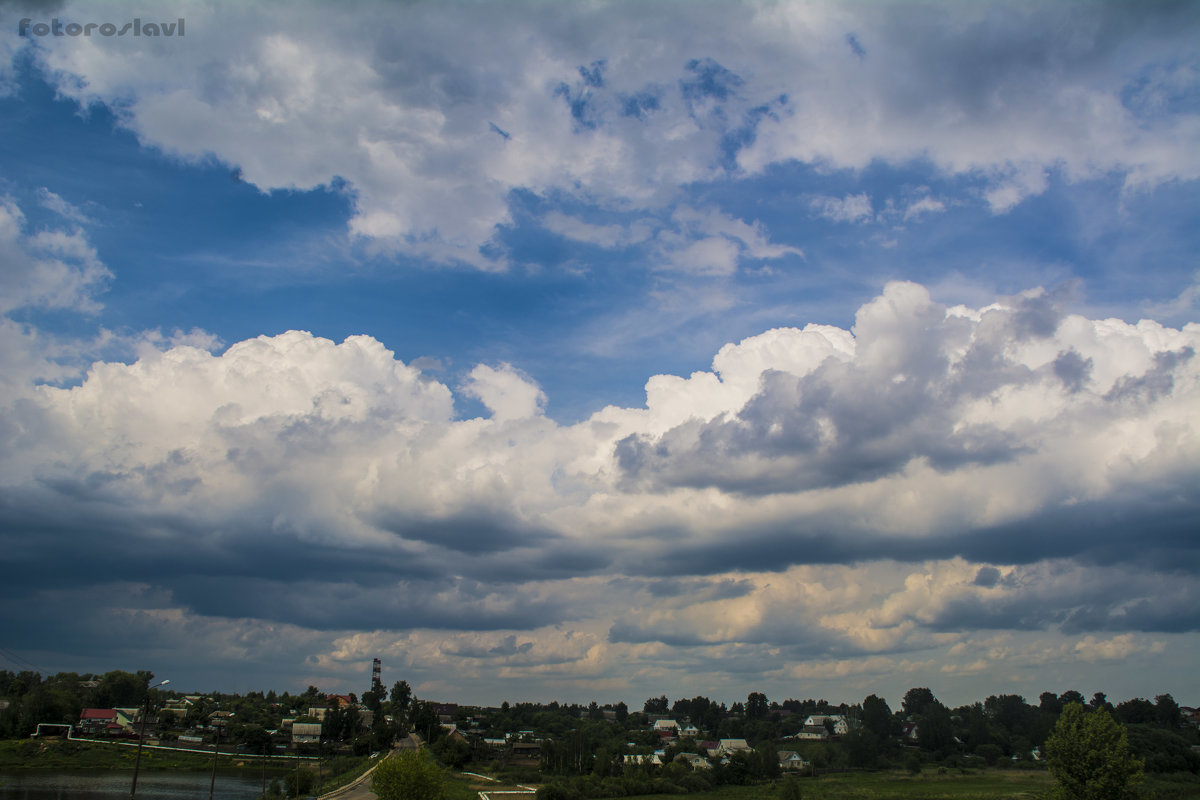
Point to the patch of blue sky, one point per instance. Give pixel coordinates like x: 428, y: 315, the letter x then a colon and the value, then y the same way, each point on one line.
x: 911, y: 221
x: 175, y: 234
x: 1163, y: 88
x: 856, y: 46
x: 641, y: 103
x: 712, y: 80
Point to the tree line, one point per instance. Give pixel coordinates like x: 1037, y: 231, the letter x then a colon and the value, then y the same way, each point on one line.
x: 588, y: 744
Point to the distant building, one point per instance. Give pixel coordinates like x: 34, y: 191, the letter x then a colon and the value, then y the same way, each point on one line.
x: 811, y: 733
x: 98, y: 721
x: 840, y: 726
x: 694, y: 760
x: 306, y: 732
x: 790, y: 761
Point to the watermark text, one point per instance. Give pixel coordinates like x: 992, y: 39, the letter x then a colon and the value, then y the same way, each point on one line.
x: 135, y: 27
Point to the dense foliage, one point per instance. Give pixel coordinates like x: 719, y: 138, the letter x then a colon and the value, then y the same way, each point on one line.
x: 593, y: 750
x: 1089, y: 756
x: 409, y: 775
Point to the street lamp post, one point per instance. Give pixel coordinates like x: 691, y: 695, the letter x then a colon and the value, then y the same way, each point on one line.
x: 137, y: 761
x: 212, y: 785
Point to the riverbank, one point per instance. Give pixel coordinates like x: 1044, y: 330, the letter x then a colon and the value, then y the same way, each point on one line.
x: 61, y: 754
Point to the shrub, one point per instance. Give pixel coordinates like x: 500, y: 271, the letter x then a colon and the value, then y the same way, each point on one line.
x: 1089, y: 756
x: 409, y: 775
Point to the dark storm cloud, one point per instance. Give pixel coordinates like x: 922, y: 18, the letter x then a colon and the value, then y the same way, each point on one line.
x: 1075, y: 600
x: 253, y: 569
x: 509, y: 646
x: 344, y: 604
x: 469, y: 532
x: 1154, y: 528
x: 699, y: 590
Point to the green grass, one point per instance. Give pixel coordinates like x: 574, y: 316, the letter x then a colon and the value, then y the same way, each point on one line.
x: 60, y: 754
x: 341, y: 771
x: 977, y: 785
x: 466, y: 787
x: 991, y: 784
x: 954, y: 784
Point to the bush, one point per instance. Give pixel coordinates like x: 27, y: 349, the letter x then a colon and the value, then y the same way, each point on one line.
x: 556, y: 791
x: 1089, y: 756
x: 409, y: 775
x: 298, y: 782
x: 1163, y: 751
x: 789, y: 789
x: 991, y: 753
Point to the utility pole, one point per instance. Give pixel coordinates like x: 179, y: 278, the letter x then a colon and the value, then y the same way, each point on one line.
x: 216, y: 746
x: 137, y: 761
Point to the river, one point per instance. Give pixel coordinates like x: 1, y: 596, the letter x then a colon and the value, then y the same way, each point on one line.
x: 114, y: 785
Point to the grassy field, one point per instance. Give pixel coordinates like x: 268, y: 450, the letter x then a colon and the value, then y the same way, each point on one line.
x: 464, y: 786
x: 59, y: 754
x: 991, y: 784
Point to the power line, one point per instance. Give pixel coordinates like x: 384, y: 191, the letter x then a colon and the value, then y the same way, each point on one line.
x: 21, y: 662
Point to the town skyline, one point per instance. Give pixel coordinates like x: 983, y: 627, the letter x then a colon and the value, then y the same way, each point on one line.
x: 596, y: 351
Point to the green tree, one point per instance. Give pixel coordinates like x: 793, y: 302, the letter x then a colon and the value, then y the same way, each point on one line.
x: 452, y: 751
x: 1137, y: 711
x: 409, y: 775
x: 916, y: 700
x: 877, y: 717
x: 1089, y: 757
x: 656, y: 705
x: 1167, y: 710
x: 862, y: 748
x: 756, y: 705
x: 935, y: 730
x: 1049, y: 702
x: 401, y: 697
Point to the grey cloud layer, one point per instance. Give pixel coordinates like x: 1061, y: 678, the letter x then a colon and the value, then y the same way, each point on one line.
x: 330, y: 485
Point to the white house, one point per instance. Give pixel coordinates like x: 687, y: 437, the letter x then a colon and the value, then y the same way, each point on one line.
x: 790, y: 761
x: 694, y: 760
x: 811, y: 733
x: 840, y: 726
x: 306, y: 732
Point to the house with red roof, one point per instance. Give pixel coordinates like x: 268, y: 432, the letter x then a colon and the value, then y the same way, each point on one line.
x: 99, y: 722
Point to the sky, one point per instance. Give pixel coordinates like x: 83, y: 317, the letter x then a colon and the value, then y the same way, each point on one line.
x: 598, y: 351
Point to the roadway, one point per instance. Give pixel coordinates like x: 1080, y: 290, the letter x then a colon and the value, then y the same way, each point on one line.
x: 361, y: 788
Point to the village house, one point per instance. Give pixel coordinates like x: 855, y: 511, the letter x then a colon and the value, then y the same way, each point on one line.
x: 811, y: 733
x: 694, y: 760
x: 305, y: 733
x: 790, y: 761
x: 840, y: 726
x: 727, y: 747
x: 98, y: 722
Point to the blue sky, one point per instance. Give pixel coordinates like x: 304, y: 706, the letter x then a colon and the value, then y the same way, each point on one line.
x: 586, y: 352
